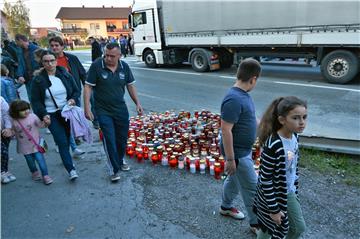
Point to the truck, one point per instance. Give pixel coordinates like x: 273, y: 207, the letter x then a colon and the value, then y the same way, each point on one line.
x: 211, y: 35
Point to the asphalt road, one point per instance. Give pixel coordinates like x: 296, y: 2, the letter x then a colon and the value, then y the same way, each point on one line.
x: 333, y: 110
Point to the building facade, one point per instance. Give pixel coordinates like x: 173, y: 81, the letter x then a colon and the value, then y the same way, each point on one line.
x: 78, y: 24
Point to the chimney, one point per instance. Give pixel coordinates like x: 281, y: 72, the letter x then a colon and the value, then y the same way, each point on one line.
x: 112, y: 7
x: 83, y: 6
x: 103, y: 6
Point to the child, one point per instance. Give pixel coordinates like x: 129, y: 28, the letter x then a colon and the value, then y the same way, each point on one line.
x: 8, y: 88
x: 6, y: 176
x: 26, y: 127
x: 276, y: 203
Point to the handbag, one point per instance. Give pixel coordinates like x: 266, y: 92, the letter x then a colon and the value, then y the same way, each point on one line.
x: 41, y: 146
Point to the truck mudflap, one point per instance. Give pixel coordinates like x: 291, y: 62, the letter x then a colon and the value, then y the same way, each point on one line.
x: 203, y: 60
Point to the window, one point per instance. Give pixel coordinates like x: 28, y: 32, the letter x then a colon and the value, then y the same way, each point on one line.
x: 139, y: 18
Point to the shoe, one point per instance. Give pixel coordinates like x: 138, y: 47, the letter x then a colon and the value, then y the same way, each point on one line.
x: 73, y: 175
x: 77, y: 152
x: 36, y: 176
x: 57, y: 149
x: 47, y: 180
x: 125, y: 167
x: 115, y: 177
x: 4, y: 178
x: 48, y: 131
x: 11, y: 177
x: 232, y: 212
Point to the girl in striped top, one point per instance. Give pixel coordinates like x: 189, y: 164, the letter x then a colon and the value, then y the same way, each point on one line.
x: 276, y: 203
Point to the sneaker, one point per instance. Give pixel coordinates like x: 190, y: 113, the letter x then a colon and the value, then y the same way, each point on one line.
x: 47, y: 180
x: 4, y: 178
x: 57, y: 149
x: 125, y: 167
x: 232, y: 212
x: 115, y: 177
x: 48, y: 131
x: 36, y: 176
x: 73, y: 175
x: 78, y: 152
x: 11, y: 177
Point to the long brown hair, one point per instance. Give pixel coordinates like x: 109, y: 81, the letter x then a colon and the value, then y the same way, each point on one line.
x: 281, y: 106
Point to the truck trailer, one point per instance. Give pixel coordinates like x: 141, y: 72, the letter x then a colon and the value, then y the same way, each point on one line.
x: 211, y: 35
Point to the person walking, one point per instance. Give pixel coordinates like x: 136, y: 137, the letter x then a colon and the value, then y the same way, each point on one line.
x: 95, y: 49
x: 108, y: 77
x: 6, y: 133
x: 276, y: 202
x: 26, y: 129
x: 73, y: 65
x: 26, y: 61
x: 52, y: 89
x: 238, y: 127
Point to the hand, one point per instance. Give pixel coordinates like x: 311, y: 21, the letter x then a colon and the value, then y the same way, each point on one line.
x: 230, y: 167
x: 7, y: 133
x: 88, y: 114
x: 21, y: 80
x: 71, y: 102
x: 139, y: 109
x: 47, y: 120
x: 277, y: 217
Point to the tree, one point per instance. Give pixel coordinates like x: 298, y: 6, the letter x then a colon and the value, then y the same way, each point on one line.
x: 18, y: 17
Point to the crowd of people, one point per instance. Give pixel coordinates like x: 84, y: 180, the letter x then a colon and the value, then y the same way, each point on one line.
x: 55, y: 80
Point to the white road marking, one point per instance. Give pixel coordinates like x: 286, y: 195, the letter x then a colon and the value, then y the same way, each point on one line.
x: 316, y: 86
x: 170, y: 71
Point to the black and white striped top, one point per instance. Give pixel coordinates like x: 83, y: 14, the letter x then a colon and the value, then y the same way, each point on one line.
x: 271, y: 195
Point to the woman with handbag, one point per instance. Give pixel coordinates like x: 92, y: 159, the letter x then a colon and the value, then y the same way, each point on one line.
x: 26, y: 128
x: 52, y: 88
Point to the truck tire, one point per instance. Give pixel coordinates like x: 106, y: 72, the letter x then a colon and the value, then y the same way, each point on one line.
x: 226, y: 59
x: 199, y: 61
x: 340, y: 66
x: 149, y: 58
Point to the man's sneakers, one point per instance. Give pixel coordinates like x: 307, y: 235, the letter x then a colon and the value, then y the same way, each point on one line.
x: 255, y: 230
x: 77, y: 153
x: 115, y: 177
x: 232, y: 212
x: 73, y: 175
x: 125, y: 167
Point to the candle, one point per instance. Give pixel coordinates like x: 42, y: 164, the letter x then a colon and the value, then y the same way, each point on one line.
x: 192, y: 165
x: 217, y: 171
x: 181, y: 163
x: 164, y: 159
x: 202, y: 166
x: 173, y: 161
x: 154, y: 158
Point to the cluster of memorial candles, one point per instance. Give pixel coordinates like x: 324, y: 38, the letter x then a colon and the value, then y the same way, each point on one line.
x: 182, y: 141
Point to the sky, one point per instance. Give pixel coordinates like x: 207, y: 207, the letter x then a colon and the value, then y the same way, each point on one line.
x: 43, y: 12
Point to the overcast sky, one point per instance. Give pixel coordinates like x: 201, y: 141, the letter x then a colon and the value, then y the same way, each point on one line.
x: 43, y: 12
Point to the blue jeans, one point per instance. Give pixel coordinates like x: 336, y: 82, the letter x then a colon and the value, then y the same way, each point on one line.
x: 115, y: 130
x: 39, y: 158
x: 28, y: 90
x: 60, y: 129
x: 244, y: 180
x: 72, y: 143
x: 92, y: 102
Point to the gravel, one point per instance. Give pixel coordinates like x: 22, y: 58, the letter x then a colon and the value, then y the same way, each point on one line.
x: 331, y: 209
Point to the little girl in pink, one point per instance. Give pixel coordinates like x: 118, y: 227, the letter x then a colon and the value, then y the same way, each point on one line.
x: 26, y: 128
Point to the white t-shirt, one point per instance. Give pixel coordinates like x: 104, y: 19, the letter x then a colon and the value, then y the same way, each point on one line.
x: 291, y: 149
x: 58, y: 91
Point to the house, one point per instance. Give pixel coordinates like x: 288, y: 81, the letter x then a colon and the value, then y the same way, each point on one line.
x: 80, y: 23
x: 39, y: 32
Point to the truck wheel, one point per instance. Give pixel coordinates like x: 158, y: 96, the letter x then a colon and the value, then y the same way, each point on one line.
x: 199, y: 61
x: 149, y: 58
x: 339, y: 66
